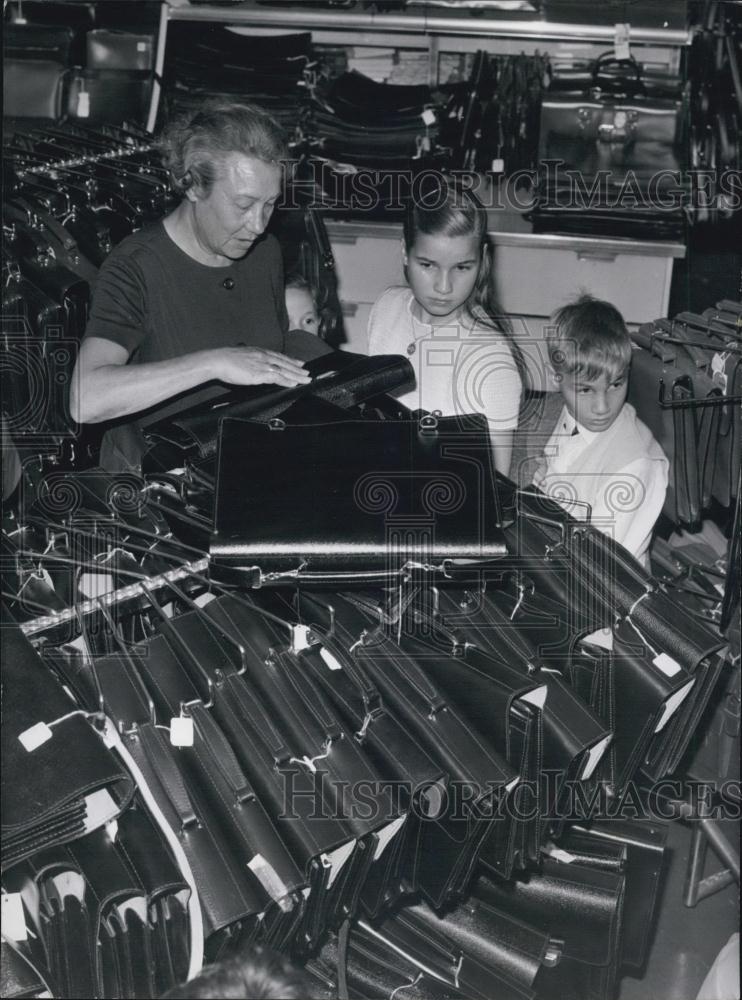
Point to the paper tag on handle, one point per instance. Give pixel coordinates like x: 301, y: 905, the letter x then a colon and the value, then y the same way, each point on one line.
x: 559, y: 854
x: 718, y: 370
x: 35, y: 736
x: 94, y: 585
x: 13, y: 917
x: 621, y: 41
x: 667, y: 665
x: 330, y: 661
x: 83, y: 104
x: 181, y: 731
x: 428, y: 116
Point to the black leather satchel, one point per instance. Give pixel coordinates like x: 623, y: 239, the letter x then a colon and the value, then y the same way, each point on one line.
x: 216, y: 769
x: 503, y: 955
x: 450, y: 830
x: 416, y: 494
x: 71, y: 784
x: 647, y: 694
x: 114, y: 49
x: 505, y: 706
x: 613, y: 130
x: 34, y: 88
x: 228, y: 892
x: 642, y: 843
x: 581, y: 909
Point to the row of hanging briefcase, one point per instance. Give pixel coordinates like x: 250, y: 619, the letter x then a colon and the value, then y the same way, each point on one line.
x: 686, y: 385
x: 71, y: 194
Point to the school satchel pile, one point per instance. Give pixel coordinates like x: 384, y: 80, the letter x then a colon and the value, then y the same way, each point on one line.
x: 212, y: 61
x: 686, y: 385
x: 380, y: 759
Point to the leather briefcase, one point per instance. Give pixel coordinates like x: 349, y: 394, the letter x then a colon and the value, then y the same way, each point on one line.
x: 71, y: 783
x: 581, y: 908
x: 613, y: 132
x: 109, y: 95
x: 111, y: 49
x: 34, y: 88
x: 401, y: 496
x: 643, y: 843
x: 452, y: 836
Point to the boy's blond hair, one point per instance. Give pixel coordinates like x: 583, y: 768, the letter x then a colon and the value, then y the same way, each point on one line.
x: 589, y: 338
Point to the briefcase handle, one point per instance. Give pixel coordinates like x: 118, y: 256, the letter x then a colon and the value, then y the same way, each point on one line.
x: 629, y: 82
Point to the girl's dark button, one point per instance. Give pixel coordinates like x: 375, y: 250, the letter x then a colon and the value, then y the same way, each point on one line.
x: 228, y: 283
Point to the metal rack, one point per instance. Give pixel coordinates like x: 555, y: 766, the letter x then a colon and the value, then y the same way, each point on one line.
x: 452, y: 32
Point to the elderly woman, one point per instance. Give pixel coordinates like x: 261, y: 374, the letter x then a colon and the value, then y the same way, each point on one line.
x: 195, y: 301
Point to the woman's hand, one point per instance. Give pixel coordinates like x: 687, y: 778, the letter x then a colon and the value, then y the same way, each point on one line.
x: 254, y: 366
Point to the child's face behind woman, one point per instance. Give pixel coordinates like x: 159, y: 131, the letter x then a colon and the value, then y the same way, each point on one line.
x: 301, y: 309
x: 442, y: 272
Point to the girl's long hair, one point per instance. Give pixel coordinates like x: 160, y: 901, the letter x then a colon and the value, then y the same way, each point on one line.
x: 445, y: 206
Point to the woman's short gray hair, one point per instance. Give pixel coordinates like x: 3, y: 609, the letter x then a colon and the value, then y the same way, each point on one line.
x: 194, y: 146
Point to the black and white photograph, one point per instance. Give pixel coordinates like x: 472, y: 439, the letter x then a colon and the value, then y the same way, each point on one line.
x: 371, y: 406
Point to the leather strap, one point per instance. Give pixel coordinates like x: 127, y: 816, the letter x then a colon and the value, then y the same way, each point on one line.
x: 343, y: 960
x: 221, y: 753
x: 160, y: 757
x: 259, y: 720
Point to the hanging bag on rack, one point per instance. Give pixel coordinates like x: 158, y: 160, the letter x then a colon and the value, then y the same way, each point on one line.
x: 616, y: 139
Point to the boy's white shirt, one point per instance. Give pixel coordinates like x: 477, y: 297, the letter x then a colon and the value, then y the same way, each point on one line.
x: 621, y: 472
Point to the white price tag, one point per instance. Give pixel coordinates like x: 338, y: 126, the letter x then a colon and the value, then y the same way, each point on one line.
x: 181, y: 731
x: 718, y: 370
x: 268, y: 877
x: 35, y: 736
x: 667, y: 665
x: 100, y: 809
x: 498, y: 165
x: 203, y: 599
x: 621, y: 41
x: 428, y: 116
x: 96, y: 584
x: 83, y: 104
x: 331, y: 661
x: 141, y: 46
x: 13, y: 917
x: 300, y: 635
x: 559, y: 854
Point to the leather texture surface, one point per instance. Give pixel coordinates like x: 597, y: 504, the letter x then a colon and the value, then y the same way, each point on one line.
x: 308, y: 511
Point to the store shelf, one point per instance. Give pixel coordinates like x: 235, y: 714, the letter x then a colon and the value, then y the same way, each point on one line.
x: 349, y: 232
